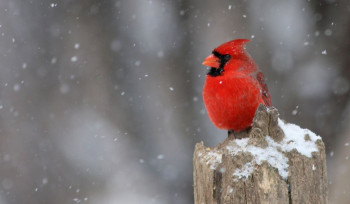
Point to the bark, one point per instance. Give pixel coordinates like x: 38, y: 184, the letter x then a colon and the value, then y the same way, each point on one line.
x: 215, y: 169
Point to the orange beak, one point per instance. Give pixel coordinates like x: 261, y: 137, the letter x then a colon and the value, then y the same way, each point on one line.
x: 212, y: 61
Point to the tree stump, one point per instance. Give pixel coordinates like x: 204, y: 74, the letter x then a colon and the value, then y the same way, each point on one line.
x: 273, y: 162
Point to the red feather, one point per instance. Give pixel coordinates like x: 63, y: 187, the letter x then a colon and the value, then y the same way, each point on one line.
x: 234, y: 87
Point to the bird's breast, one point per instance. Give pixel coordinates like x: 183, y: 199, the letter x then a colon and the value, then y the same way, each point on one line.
x: 231, y: 101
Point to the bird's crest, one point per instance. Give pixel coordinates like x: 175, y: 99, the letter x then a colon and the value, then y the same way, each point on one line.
x: 233, y: 47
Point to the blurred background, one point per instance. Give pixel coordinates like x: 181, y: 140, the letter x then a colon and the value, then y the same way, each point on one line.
x: 100, y: 101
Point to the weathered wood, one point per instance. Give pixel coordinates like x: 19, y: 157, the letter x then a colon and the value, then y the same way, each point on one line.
x: 233, y: 172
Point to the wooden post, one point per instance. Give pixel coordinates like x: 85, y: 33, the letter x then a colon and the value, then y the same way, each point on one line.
x: 274, y: 162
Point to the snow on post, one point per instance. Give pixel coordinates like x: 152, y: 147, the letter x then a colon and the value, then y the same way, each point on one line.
x: 273, y: 162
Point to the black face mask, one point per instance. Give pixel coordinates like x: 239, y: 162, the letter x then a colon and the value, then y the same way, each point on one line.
x: 223, y: 60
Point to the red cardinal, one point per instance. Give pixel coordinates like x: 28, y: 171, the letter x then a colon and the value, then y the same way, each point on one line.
x: 234, y: 87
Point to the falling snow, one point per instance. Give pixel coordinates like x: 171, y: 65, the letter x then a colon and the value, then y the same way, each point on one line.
x: 76, y: 46
x: 64, y: 88
x: 328, y: 32
x: 295, y: 111
x: 103, y: 89
x: 77, y: 200
x: 45, y: 181
x: 138, y: 63
x: 16, y: 87
x: 74, y: 59
x: 53, y: 60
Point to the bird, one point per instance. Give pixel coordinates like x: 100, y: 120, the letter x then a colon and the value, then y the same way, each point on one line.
x: 234, y: 87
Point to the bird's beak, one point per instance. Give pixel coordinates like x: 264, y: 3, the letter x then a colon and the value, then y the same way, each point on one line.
x: 212, y: 61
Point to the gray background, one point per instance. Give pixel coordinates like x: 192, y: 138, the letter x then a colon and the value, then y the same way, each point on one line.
x: 100, y: 101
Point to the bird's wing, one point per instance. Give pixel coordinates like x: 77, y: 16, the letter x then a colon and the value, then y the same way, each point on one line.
x: 264, y: 90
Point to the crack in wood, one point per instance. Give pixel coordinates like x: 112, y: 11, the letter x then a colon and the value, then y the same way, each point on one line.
x: 245, y: 193
x: 289, y: 192
x: 218, y: 186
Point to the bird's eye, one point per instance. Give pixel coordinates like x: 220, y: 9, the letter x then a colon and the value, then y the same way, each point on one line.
x: 227, y: 57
